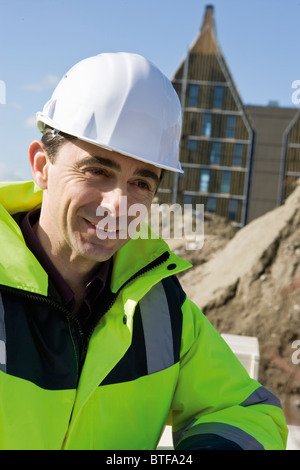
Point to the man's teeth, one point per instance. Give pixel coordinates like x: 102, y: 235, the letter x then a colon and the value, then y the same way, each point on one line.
x: 104, y: 229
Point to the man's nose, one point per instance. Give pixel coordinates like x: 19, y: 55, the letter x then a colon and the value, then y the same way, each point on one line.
x: 115, y: 201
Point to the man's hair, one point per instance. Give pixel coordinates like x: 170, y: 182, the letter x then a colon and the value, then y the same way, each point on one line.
x: 53, y: 140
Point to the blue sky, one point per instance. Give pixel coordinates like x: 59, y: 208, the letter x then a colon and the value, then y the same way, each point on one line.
x: 42, y: 39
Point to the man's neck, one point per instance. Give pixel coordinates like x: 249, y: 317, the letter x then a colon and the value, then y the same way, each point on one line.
x: 76, y: 274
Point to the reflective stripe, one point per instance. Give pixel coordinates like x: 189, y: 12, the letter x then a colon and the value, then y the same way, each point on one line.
x: 2, y: 338
x: 157, y: 328
x: 262, y: 396
x: 178, y: 435
x: 232, y: 433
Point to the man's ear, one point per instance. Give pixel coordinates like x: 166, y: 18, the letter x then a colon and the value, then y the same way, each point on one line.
x: 39, y: 163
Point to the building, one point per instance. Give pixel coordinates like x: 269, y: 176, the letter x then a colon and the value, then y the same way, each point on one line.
x: 239, y: 161
x: 269, y: 181
x: 217, y: 135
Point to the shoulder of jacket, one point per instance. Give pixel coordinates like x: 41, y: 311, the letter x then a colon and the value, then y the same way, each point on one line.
x: 174, y: 289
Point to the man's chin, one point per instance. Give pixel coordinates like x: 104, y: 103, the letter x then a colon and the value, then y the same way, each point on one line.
x: 102, y: 250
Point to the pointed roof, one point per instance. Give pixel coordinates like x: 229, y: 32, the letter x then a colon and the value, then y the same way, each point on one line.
x: 206, y: 43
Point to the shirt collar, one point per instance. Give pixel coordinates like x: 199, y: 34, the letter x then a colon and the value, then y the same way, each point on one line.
x: 93, y: 288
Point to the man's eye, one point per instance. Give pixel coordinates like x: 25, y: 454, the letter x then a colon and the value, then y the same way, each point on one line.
x: 143, y: 185
x: 96, y: 171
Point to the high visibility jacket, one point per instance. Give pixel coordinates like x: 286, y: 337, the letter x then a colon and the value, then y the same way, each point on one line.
x: 152, y: 359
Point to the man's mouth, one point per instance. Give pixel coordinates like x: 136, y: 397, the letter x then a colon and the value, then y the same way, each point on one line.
x: 106, y: 231
x: 98, y: 226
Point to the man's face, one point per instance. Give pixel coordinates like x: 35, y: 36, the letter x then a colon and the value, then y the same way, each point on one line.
x: 84, y: 185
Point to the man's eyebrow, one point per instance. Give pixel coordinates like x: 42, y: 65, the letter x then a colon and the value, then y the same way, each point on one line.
x: 97, y: 160
x: 143, y: 172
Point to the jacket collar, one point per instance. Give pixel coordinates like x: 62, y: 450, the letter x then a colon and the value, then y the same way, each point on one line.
x: 138, y: 254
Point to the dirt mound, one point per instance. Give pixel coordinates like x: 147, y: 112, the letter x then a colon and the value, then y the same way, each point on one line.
x: 247, y: 282
x: 217, y: 232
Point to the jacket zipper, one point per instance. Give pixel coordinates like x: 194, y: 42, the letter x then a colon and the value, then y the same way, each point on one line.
x: 84, y: 338
x: 157, y: 262
x: 51, y: 303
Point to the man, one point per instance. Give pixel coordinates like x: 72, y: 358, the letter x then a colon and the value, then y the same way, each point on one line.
x: 100, y: 347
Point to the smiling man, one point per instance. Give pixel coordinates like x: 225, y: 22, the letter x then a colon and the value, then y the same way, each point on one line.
x: 83, y: 179
x: 99, y: 345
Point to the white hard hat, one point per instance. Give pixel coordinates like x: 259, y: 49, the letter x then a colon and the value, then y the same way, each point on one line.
x: 122, y: 102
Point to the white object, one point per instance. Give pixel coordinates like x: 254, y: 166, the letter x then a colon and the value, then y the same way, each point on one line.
x: 293, y: 442
x: 166, y: 440
x: 122, y: 102
x: 246, y: 348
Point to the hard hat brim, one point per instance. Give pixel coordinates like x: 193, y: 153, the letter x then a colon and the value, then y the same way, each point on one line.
x: 43, y: 121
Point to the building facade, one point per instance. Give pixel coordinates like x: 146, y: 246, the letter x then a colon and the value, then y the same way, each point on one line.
x: 239, y: 161
x: 269, y: 183
x: 217, y: 134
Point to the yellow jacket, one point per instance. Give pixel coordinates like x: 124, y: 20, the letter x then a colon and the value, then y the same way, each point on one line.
x: 153, y: 359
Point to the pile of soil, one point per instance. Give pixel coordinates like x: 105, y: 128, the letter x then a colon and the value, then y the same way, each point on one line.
x: 247, y: 282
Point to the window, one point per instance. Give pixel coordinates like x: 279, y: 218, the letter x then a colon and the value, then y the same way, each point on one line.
x: 230, y: 128
x: 206, y: 125
x: 233, y: 208
x: 225, y: 185
x: 194, y: 126
x: 211, y: 205
x: 192, y: 145
x: 192, y: 149
x: 187, y: 199
x: 193, y: 96
x: 204, y: 181
x: 238, y: 155
x: 218, y: 97
x: 215, y: 154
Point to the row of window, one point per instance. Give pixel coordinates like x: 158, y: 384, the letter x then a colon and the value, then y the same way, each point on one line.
x: 215, y: 157
x: 206, y: 128
x: 217, y: 99
x: 233, y: 206
x: 205, y: 177
x: 211, y: 206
